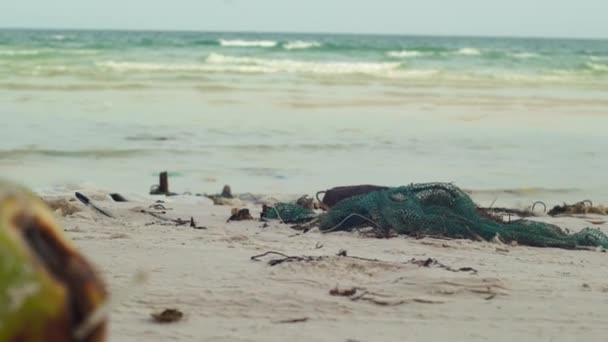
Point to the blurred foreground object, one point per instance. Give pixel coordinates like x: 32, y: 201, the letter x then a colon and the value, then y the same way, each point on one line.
x: 47, y: 289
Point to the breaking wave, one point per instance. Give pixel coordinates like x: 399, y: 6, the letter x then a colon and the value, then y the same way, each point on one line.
x: 597, y: 67
x: 287, y: 65
x: 468, y: 52
x: 40, y: 52
x: 19, y: 52
x: 524, y: 55
x: 248, y: 43
x: 406, y: 54
x: 93, y: 153
x: 301, y: 44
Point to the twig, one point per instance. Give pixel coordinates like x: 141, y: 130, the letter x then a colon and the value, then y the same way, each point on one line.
x: 178, y: 221
x: 86, y: 201
x: 433, y: 262
x: 342, y: 254
x: 295, y: 320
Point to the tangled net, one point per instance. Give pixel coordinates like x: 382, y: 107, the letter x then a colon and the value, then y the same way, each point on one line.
x: 437, y: 210
x: 440, y: 209
x: 289, y: 213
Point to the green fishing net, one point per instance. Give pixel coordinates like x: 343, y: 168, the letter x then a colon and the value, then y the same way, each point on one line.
x: 289, y: 213
x: 440, y: 209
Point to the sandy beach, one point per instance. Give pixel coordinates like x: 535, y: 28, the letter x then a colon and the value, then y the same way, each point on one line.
x: 475, y: 291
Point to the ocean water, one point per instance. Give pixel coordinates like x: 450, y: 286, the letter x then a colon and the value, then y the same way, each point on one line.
x: 514, y: 119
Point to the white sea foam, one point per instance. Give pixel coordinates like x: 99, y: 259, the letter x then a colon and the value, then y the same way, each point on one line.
x: 222, y: 63
x: 405, y: 54
x: 468, y: 52
x: 597, y: 66
x: 57, y: 37
x: 19, y: 52
x: 301, y: 44
x: 219, y: 63
x: 47, y: 51
x: 295, y: 66
x: 78, y: 52
x: 414, y: 74
x: 248, y: 43
x: 524, y: 55
x: 598, y: 58
x: 165, y: 67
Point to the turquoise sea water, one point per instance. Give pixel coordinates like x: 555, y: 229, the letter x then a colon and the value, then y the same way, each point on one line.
x: 300, y: 112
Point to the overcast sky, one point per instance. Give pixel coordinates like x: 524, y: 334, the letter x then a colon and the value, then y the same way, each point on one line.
x: 547, y: 18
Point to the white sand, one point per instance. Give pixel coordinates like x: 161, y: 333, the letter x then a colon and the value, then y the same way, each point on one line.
x: 519, y: 293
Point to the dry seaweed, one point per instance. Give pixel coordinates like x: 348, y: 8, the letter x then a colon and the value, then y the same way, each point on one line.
x: 433, y: 262
x: 580, y: 208
x: 167, y: 316
x: 343, y: 292
x: 240, y: 215
x: 294, y: 320
x: 343, y: 254
x: 285, y: 258
x: 177, y: 222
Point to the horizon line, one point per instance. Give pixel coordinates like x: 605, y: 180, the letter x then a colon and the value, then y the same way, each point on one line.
x: 436, y: 35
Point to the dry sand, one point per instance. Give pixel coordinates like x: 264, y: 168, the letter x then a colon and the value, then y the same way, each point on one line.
x: 518, y: 293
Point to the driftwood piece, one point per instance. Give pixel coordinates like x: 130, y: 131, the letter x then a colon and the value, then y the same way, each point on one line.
x: 224, y: 198
x: 240, y: 215
x: 86, y: 201
x: 226, y: 192
x: 337, y: 194
x: 163, y: 186
x: 118, y: 197
x: 163, y: 182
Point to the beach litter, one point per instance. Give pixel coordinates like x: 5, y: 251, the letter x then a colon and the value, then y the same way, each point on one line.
x: 177, y: 222
x: 240, y: 215
x: 527, y: 212
x: 167, y: 316
x: 361, y: 294
x: 334, y: 195
x: 342, y: 254
x: 307, y: 203
x: 343, y: 292
x: 48, y: 290
x: 581, y: 208
x: 294, y: 320
x: 116, y: 197
x: 288, y: 213
x: 86, y: 201
x: 162, y: 188
x: 439, y: 210
x: 225, y: 197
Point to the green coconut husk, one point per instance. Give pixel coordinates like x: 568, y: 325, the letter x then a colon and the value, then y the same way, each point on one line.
x: 47, y: 289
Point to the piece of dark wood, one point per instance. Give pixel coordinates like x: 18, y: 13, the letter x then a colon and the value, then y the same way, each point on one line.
x: 118, y: 197
x: 334, y: 195
x: 86, y: 201
x: 226, y: 192
x: 163, y: 183
x: 240, y: 215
